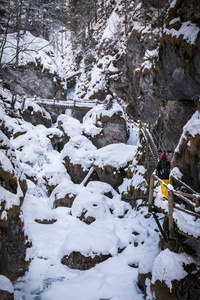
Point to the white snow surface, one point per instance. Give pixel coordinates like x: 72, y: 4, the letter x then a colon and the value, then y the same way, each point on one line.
x: 188, y: 31
x: 116, y: 224
x: 32, y: 49
x: 167, y: 263
x: 80, y: 151
x: 116, y: 155
x: 6, y: 284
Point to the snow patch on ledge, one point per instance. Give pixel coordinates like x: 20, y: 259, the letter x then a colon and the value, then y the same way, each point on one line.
x: 188, y: 30
x: 6, y: 285
x: 192, y: 127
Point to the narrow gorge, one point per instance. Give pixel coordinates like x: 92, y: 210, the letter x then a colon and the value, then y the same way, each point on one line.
x: 87, y: 89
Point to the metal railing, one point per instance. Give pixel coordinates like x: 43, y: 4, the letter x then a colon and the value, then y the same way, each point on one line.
x: 172, y: 205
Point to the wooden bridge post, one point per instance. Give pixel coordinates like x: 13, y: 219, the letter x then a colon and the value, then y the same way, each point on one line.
x: 140, y: 126
x: 151, y: 189
x: 170, y: 213
x: 74, y: 107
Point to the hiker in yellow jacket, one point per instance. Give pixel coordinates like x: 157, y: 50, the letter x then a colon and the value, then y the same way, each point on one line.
x: 163, y: 169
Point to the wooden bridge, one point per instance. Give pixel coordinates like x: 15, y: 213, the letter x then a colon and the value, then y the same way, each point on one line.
x: 69, y: 103
x: 181, y: 208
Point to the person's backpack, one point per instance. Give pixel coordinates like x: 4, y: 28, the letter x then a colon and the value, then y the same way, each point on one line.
x: 165, y: 168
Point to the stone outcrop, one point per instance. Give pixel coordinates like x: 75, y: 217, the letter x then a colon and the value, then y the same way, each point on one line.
x: 113, y: 131
x: 12, y: 246
x: 186, y: 288
x: 78, y: 156
x: 56, y: 140
x: 36, y: 116
x: 66, y: 201
x: 110, y: 175
x: 75, y: 170
x: 187, y: 158
x: 78, y: 261
x: 31, y: 81
x: 79, y: 113
x: 131, y: 190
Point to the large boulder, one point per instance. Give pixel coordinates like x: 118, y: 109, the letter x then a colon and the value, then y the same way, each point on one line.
x: 113, y: 131
x: 64, y: 194
x: 35, y: 114
x: 78, y: 156
x: 86, y: 246
x: 177, y: 280
x: 105, y: 124
x: 134, y: 185
x: 113, y: 171
x: 75, y: 260
x: 92, y: 204
x: 185, y: 284
x: 69, y: 126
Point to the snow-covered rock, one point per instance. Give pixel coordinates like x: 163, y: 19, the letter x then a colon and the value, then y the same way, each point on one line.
x: 105, y: 124
x: 78, y: 155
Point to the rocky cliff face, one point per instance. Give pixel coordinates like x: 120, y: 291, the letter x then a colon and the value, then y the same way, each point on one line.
x: 148, y: 56
x: 13, y: 187
x: 166, y: 92
x: 31, y: 81
x: 187, y: 154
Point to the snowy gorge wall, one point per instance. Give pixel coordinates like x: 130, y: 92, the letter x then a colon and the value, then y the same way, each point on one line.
x: 146, y: 52
x: 65, y: 235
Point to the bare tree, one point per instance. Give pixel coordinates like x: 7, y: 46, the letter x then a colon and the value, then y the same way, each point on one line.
x: 18, y: 4
x: 3, y: 41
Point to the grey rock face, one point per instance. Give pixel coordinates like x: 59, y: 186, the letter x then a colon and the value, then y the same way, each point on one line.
x: 178, y: 79
x: 12, y: 249
x: 113, y: 131
x: 110, y: 175
x: 175, y: 115
x: 12, y: 239
x: 31, y: 81
x: 187, y: 159
x: 174, y: 77
x: 79, y: 113
x: 36, y: 117
x: 127, y: 85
